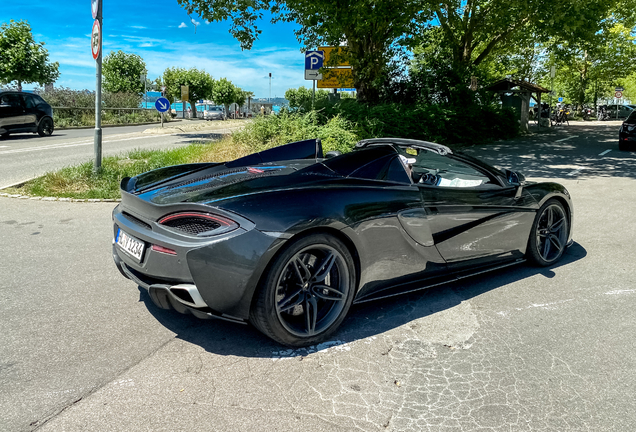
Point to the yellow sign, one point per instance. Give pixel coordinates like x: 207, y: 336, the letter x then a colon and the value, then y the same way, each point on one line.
x: 328, y: 51
x: 185, y: 93
x: 336, y: 78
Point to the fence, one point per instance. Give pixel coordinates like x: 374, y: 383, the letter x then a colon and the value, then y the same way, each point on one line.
x: 85, y: 116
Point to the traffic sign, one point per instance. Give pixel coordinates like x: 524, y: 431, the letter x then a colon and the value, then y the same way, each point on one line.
x: 185, y: 93
x: 560, y: 99
x: 96, y: 39
x: 618, y: 94
x: 619, y: 89
x: 314, y: 60
x: 336, y: 78
x: 312, y: 75
x: 328, y: 53
x: 95, y: 8
x: 162, y: 104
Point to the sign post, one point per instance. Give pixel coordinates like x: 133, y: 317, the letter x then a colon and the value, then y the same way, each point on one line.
x: 96, y: 49
x: 162, y: 105
x: 313, y: 62
x: 185, y: 96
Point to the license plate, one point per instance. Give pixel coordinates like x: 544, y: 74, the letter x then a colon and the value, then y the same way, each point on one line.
x: 129, y: 244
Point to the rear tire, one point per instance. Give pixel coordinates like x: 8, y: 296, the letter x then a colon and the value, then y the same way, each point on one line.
x: 549, y: 235
x: 45, y: 128
x: 306, y: 292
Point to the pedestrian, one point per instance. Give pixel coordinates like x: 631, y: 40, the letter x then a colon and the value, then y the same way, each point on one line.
x: 262, y: 110
x: 189, y: 112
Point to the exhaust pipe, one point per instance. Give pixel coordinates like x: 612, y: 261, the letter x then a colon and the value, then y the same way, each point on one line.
x: 188, y: 294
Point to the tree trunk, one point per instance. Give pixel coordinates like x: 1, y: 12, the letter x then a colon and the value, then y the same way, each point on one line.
x: 19, y: 85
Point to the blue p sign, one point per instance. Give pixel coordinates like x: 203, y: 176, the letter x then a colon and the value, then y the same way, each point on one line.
x: 314, y: 60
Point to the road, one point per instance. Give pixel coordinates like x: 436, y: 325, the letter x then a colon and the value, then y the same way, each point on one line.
x: 522, y: 349
x: 25, y: 156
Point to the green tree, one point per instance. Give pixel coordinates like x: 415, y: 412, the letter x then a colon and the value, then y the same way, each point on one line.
x: 300, y: 99
x: 122, y: 72
x: 200, y: 83
x: 374, y: 32
x: 22, y: 59
x: 224, y: 93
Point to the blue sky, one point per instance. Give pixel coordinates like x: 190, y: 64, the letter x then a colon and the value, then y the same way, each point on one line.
x: 162, y: 34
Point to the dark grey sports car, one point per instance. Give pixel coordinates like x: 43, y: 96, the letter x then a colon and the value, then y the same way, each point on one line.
x: 288, y: 239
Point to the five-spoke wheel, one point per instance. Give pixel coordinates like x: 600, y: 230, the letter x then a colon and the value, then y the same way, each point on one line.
x: 550, y: 232
x: 307, y: 291
x: 45, y: 128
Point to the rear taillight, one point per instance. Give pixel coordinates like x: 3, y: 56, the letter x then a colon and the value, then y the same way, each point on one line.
x: 198, y: 224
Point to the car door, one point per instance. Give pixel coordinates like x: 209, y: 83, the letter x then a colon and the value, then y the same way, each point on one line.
x: 11, y: 112
x: 474, y: 219
x: 30, y: 111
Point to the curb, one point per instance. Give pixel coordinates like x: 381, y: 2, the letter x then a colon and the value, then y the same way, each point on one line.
x: 36, y: 198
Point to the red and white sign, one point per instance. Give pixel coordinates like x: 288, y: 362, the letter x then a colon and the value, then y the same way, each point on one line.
x: 95, y: 8
x: 618, y: 95
x: 96, y: 39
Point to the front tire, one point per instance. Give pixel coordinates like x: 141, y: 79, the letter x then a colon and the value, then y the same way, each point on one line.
x: 549, y: 235
x: 306, y: 292
x: 45, y: 128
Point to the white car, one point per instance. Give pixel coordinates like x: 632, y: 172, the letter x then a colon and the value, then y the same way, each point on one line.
x: 214, y: 113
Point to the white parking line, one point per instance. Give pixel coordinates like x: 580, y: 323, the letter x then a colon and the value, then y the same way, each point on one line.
x: 570, y: 137
x: 575, y: 172
x: 605, y: 152
x: 4, y: 146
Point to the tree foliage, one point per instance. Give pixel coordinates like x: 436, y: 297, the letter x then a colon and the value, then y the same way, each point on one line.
x: 373, y: 31
x: 122, y: 72
x: 22, y: 59
x: 300, y: 99
x: 200, y: 83
x: 224, y: 93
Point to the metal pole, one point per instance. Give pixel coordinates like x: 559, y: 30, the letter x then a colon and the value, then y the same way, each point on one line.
x: 97, y: 142
x: 270, y: 88
x: 313, y: 94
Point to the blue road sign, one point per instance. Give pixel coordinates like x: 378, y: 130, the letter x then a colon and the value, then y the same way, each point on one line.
x: 560, y: 99
x: 314, y: 59
x: 162, y: 104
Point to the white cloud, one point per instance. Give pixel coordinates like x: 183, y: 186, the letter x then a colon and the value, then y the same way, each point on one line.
x: 183, y: 25
x: 138, y: 27
x: 196, y: 23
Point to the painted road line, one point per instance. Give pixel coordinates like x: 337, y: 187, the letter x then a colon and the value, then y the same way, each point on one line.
x: 67, y: 145
x: 570, y: 137
x: 605, y: 152
x: 575, y: 172
x: 4, y: 146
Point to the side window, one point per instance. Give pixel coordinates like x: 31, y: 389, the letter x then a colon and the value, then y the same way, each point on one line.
x: 387, y: 168
x: 436, y: 170
x: 28, y: 101
x: 11, y: 100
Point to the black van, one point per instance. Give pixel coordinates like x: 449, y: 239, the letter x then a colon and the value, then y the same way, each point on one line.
x: 24, y: 112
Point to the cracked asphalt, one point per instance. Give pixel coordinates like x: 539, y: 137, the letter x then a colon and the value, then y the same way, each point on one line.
x: 520, y: 349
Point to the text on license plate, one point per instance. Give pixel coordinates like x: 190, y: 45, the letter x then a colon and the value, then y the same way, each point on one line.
x: 130, y: 244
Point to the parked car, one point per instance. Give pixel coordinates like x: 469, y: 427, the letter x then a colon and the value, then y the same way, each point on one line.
x: 214, y: 113
x: 24, y: 112
x: 627, y: 133
x: 287, y: 239
x: 623, y: 111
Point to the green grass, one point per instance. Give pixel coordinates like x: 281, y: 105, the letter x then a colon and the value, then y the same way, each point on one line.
x: 80, y: 182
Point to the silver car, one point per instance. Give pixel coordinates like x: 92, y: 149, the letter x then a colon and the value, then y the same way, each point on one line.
x: 214, y: 113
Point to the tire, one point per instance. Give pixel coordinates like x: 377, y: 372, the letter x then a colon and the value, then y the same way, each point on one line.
x: 45, y: 128
x: 306, y: 293
x: 621, y: 146
x: 549, y: 235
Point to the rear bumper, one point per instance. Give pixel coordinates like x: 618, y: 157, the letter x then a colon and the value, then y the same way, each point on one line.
x: 208, y: 277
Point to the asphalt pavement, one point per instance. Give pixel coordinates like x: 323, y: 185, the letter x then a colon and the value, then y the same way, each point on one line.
x: 25, y: 156
x: 521, y: 349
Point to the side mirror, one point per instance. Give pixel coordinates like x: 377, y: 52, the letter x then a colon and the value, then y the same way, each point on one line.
x: 516, y: 179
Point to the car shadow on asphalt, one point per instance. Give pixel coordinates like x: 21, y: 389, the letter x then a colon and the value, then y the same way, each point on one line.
x: 364, y: 321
